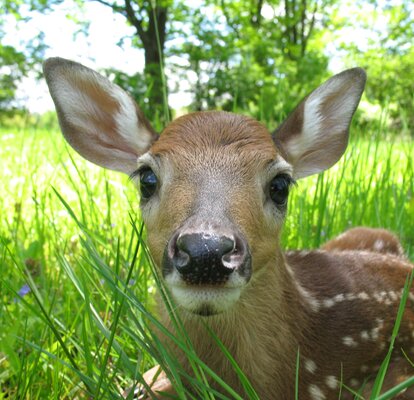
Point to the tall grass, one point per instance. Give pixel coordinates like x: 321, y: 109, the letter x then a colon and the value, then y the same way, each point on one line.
x: 76, y: 281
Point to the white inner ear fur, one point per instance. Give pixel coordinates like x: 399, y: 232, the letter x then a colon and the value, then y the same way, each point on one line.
x: 79, y: 107
x: 127, y: 122
x: 341, y: 108
x: 98, y: 119
x: 327, y: 114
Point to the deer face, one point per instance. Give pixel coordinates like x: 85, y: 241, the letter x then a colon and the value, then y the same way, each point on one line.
x: 214, y: 185
x: 213, y: 188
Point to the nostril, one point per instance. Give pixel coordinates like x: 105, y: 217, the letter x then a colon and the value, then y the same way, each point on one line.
x: 181, y: 259
x: 179, y: 254
x: 235, y: 257
x: 225, y: 246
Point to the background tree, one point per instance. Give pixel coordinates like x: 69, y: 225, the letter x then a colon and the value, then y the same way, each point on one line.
x: 388, y: 57
x: 254, y: 56
x: 15, y: 64
x: 149, y: 18
x: 13, y: 69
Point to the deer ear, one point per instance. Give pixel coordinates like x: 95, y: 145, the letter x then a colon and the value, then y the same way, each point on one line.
x: 315, y: 135
x: 98, y: 119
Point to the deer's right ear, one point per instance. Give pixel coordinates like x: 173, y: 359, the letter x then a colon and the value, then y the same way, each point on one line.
x: 98, y: 119
x: 315, y: 135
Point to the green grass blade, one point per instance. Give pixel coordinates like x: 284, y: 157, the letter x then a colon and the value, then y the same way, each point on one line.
x: 376, y: 390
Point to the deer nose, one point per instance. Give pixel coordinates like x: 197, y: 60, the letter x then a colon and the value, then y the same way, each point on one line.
x: 207, y: 258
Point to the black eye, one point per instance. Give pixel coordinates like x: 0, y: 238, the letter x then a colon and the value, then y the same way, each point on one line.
x: 148, y: 182
x: 279, y: 188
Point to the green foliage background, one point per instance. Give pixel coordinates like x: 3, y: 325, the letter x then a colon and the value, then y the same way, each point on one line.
x: 254, y: 56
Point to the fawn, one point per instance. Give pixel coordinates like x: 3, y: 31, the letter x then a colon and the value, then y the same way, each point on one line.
x: 214, y: 189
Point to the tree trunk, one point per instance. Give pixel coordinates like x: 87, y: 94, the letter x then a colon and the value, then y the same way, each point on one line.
x: 150, y: 24
x: 153, y: 76
x: 153, y: 40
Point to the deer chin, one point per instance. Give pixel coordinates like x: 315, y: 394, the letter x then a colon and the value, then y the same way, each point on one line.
x: 205, y: 301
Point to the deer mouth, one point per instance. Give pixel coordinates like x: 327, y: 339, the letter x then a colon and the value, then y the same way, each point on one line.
x: 205, y: 301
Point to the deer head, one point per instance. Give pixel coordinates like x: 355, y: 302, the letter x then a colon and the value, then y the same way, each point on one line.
x: 214, y: 185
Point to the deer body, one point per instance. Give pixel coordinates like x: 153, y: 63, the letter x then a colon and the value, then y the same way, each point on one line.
x: 214, y: 190
x: 341, y: 335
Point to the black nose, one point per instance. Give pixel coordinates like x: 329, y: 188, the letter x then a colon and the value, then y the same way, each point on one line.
x: 206, y: 258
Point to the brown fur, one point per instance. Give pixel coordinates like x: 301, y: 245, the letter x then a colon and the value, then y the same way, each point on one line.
x: 200, y: 153
x: 370, y: 239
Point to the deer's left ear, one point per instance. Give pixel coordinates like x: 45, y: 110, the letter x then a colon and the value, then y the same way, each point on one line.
x: 98, y: 119
x: 315, y: 135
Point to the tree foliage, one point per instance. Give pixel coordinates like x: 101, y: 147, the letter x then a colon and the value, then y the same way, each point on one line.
x: 250, y: 55
x: 257, y: 56
x: 149, y: 18
x: 15, y: 64
x: 388, y: 57
x: 12, y: 68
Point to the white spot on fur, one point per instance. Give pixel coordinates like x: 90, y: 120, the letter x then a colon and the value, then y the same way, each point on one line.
x: 328, y: 303
x: 375, y: 331
x: 363, y: 296
x: 393, y: 296
x: 339, y: 298
x: 378, y: 297
x: 316, y: 393
x: 307, y: 296
x: 332, y: 382
x: 364, y: 335
x: 310, y: 366
x: 351, y: 296
x: 385, y: 297
x: 378, y: 245
x: 314, y: 304
x: 349, y: 341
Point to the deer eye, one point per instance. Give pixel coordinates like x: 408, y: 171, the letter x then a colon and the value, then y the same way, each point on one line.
x: 279, y: 189
x: 148, y: 182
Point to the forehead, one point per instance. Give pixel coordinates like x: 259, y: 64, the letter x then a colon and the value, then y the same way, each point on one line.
x: 218, y: 140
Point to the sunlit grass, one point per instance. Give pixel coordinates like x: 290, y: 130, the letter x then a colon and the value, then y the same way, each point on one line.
x: 76, y: 282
